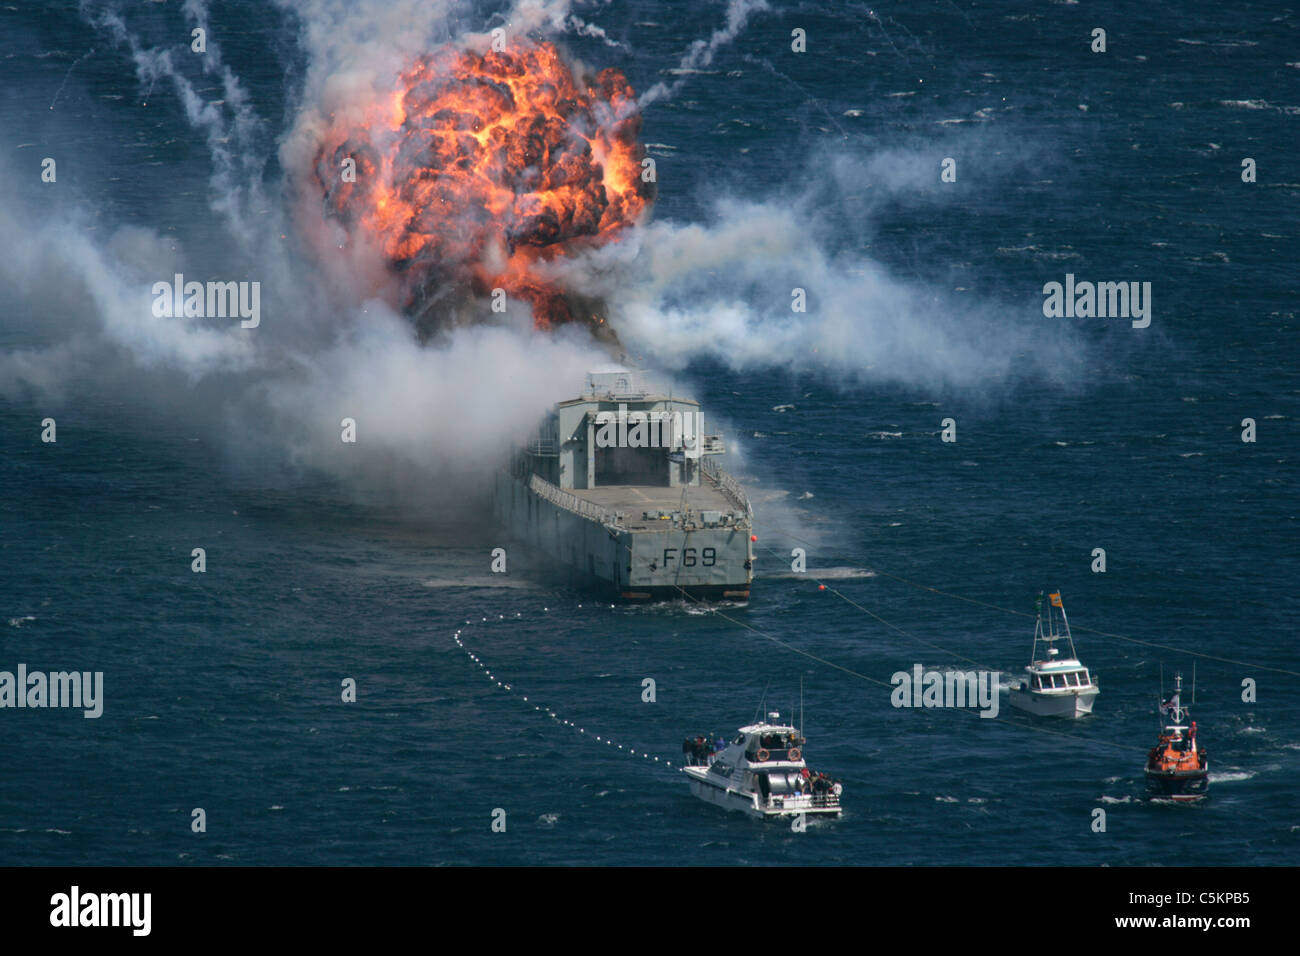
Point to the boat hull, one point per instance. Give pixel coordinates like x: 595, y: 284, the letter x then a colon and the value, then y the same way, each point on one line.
x: 1181, y: 785
x: 628, y: 563
x: 748, y: 803
x: 1069, y: 705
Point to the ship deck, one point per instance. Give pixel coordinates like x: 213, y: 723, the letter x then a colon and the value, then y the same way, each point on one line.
x: 633, y: 500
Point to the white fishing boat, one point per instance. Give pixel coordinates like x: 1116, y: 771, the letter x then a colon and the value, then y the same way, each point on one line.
x: 761, y: 772
x: 1056, y: 686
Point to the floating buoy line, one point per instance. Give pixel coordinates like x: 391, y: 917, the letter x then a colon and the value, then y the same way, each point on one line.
x: 548, y: 711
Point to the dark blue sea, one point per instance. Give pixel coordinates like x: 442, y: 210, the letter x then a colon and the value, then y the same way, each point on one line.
x: 819, y: 170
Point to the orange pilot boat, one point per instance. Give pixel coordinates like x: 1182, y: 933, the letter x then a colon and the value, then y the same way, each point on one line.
x: 1177, y: 767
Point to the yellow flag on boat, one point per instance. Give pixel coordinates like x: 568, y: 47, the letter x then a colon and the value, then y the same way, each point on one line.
x: 1056, y: 599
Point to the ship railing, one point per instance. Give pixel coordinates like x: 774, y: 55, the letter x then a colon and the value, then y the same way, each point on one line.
x: 729, y: 487
x: 569, y: 502
x: 788, y: 800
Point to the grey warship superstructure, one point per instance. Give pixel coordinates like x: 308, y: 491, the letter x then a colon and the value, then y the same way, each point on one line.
x: 621, y: 486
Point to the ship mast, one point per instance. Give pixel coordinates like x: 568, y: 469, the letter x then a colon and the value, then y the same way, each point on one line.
x: 1038, y: 628
x: 1179, y: 710
x: 1068, y: 636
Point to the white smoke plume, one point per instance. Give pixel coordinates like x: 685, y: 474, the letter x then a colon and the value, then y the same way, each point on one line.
x: 327, y: 348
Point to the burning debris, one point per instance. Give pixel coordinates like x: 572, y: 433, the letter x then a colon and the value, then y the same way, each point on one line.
x: 482, y: 168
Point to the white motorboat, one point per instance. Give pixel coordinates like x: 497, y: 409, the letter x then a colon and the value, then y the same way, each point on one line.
x: 761, y: 772
x: 1056, y: 686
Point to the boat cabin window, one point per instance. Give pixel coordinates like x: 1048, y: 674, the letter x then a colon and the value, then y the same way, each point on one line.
x: 740, y: 739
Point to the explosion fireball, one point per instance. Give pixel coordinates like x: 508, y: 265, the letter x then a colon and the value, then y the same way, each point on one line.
x: 482, y: 167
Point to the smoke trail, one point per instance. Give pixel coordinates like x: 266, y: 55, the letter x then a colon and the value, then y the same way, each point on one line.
x: 700, y: 54
x: 232, y: 128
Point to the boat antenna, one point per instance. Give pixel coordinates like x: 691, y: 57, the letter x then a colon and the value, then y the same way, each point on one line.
x: 801, y: 705
x: 1193, y: 683
x: 1038, y: 625
x: 761, y: 701
x: 1159, y: 712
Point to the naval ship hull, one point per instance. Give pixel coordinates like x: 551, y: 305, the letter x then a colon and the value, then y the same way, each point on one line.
x: 610, y: 540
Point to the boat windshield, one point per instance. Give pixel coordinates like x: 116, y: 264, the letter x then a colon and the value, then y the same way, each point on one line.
x: 1059, y: 681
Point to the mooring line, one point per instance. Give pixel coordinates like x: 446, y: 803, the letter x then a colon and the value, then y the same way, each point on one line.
x: 1127, y: 748
x: 1074, y: 627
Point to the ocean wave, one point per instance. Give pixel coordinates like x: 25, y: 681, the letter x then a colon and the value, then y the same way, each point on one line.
x: 842, y: 573
x: 494, y: 581
x: 1231, y: 776
x: 1260, y: 105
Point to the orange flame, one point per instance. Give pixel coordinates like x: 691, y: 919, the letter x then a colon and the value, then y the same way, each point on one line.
x: 483, y: 165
